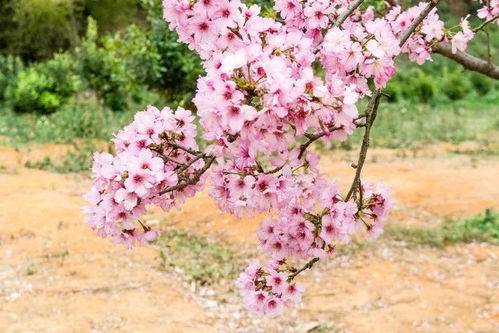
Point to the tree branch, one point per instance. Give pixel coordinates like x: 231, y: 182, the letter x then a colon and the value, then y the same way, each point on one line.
x: 405, y: 36
x: 481, y: 26
x: 312, y: 138
x: 468, y: 61
x: 190, y: 181
x: 186, y: 149
x: 308, y: 265
x: 372, y: 109
x: 350, y: 9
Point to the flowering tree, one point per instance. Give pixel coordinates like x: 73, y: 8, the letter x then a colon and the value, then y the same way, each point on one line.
x: 274, y: 85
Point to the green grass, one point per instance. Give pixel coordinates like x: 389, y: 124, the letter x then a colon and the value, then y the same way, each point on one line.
x: 78, y: 160
x: 399, y: 125
x: 481, y: 228
x: 206, y: 261
x: 82, y: 120
x: 198, y: 258
x: 408, y: 125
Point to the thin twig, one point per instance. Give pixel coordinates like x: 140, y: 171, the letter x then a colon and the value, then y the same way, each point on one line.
x: 315, y: 137
x: 308, y: 265
x: 276, y: 169
x: 484, y: 24
x: 169, y: 159
x: 190, y: 181
x: 372, y: 109
x: 186, y: 149
x: 191, y: 162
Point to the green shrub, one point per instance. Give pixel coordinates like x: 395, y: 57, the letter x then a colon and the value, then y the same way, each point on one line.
x: 44, y: 87
x: 413, y: 84
x: 181, y: 66
x: 112, y: 15
x: 393, y: 91
x: 10, y: 66
x: 454, y: 84
x: 83, y: 119
x: 101, y: 71
x: 423, y: 87
x: 121, y: 68
x: 39, y: 28
x: 481, y: 84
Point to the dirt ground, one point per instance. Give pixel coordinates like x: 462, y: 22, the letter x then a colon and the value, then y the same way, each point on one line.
x: 57, y: 276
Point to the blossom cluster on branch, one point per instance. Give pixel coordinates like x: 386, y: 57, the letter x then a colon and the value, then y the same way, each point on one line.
x: 274, y: 84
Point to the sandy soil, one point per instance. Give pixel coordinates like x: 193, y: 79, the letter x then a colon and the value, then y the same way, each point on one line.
x: 56, y: 276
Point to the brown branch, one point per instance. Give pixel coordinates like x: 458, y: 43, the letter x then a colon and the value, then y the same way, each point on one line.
x: 169, y: 159
x: 405, y: 36
x: 392, y: 3
x: 372, y: 109
x: 481, y: 26
x: 312, y: 138
x: 190, y: 181
x: 308, y: 265
x: 350, y: 9
x: 191, y: 162
x: 468, y: 61
x: 186, y: 149
x: 276, y: 169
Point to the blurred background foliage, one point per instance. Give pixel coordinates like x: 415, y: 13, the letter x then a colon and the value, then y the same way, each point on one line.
x: 81, y: 68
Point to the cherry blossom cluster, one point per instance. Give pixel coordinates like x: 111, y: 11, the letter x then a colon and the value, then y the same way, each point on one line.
x: 147, y: 161
x: 301, y: 233
x: 268, y: 291
x: 273, y: 85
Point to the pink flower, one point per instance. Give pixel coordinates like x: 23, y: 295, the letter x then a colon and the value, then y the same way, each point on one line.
x: 328, y: 230
x: 490, y: 11
x: 293, y: 293
x: 274, y: 307
x: 129, y: 199
x: 277, y: 280
x: 139, y: 182
x: 235, y: 116
x: 287, y: 8
x: 460, y: 42
x: 256, y: 301
x: 317, y: 14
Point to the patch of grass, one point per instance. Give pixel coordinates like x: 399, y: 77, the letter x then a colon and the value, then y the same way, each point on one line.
x: 76, y: 120
x: 8, y: 170
x: 403, y: 126
x: 481, y: 228
x: 78, y: 160
x: 198, y: 258
x: 483, y: 151
x: 409, y: 125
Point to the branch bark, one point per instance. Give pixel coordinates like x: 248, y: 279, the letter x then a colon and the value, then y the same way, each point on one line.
x: 190, y: 181
x: 312, y: 138
x: 468, y: 61
x: 350, y: 9
x: 372, y: 110
x: 485, y: 23
x: 308, y: 265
